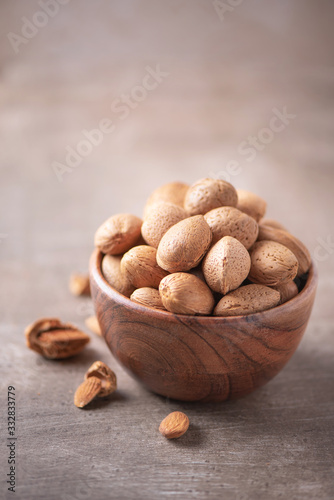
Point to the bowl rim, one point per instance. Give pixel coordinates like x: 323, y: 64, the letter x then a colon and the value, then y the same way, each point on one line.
x: 113, y: 294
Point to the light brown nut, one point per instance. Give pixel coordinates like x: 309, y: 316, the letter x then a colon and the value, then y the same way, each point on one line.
x: 140, y: 267
x: 207, y: 194
x: 287, y: 291
x: 184, y: 293
x: 118, y: 234
x: 173, y: 192
x: 247, y: 299
x: 291, y: 242
x: 226, y: 265
x: 251, y: 204
x: 272, y: 264
x: 106, y: 375
x: 159, y: 219
x: 229, y: 221
x: 174, y: 425
x: 55, y: 340
x: 79, y: 284
x: 183, y: 246
x: 149, y: 297
x: 272, y: 223
x: 87, y: 391
x: 93, y: 325
x: 111, y: 270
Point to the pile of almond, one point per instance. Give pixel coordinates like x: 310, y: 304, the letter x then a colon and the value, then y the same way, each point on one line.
x: 202, y: 249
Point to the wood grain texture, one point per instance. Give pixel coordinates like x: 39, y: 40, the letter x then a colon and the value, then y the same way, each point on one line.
x: 194, y: 358
x: 225, y: 77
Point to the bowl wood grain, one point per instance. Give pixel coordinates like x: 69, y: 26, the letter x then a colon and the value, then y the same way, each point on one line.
x: 194, y: 358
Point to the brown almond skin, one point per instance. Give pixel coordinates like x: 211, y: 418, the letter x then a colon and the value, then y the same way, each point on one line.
x: 287, y: 291
x: 272, y: 264
x: 111, y: 270
x: 226, y: 265
x: 183, y: 246
x: 174, y: 425
x: 273, y: 223
x: 248, y: 299
x: 229, y: 221
x: 87, y: 391
x: 139, y: 266
x: 149, y: 297
x: 207, y: 194
x: 173, y: 192
x: 251, y: 204
x: 118, y: 234
x: 184, y: 293
x: 160, y: 218
x: 291, y: 242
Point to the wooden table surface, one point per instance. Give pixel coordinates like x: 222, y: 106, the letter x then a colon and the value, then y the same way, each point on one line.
x: 221, y: 75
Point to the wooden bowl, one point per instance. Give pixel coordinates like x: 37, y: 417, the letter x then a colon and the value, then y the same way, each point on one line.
x: 194, y: 358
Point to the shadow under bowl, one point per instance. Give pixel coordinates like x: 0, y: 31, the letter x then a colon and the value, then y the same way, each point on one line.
x: 199, y: 358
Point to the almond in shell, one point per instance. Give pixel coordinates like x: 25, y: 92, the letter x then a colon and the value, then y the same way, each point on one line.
x: 184, y: 293
x: 248, y: 299
x: 207, y: 194
x: 229, y: 221
x: 184, y: 245
x: 226, y: 265
x: 272, y: 264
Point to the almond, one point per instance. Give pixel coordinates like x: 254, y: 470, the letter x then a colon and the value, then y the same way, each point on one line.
x: 207, y: 194
x: 140, y: 267
x: 118, y: 234
x: 173, y: 192
x: 87, y: 391
x: 287, y: 291
x: 229, y: 221
x: 174, y: 425
x: 272, y: 264
x: 149, y: 297
x: 226, y: 265
x: 79, y: 284
x: 247, y: 299
x: 55, y: 340
x: 251, y: 204
x: 159, y: 219
x: 291, y: 242
x: 93, y: 325
x: 184, y: 293
x: 183, y: 246
x: 106, y: 375
x: 111, y: 270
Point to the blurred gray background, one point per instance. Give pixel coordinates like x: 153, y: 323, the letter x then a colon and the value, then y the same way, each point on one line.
x: 226, y: 69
